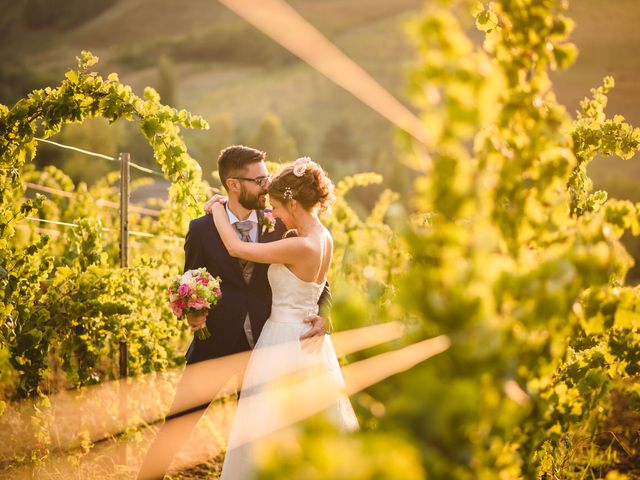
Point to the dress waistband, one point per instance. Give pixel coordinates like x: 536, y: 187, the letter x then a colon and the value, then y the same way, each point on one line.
x: 291, y: 314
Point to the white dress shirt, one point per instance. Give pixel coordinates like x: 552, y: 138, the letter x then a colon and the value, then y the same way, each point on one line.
x: 253, y: 218
x: 253, y: 234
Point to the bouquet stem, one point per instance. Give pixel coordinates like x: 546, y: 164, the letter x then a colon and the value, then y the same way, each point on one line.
x: 203, y: 333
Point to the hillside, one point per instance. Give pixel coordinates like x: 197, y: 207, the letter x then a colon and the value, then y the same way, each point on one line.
x: 224, y: 68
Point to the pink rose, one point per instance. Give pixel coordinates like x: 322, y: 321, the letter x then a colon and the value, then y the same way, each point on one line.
x: 184, y: 290
x: 177, y: 311
x: 202, y: 280
x: 198, y: 303
x: 217, y: 291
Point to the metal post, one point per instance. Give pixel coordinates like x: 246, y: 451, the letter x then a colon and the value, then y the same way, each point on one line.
x: 124, y: 244
x: 124, y: 262
x: 124, y: 209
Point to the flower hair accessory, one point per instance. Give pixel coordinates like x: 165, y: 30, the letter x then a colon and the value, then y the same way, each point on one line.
x: 300, y: 166
x: 288, y: 193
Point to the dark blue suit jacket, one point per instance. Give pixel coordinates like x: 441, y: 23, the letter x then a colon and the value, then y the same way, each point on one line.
x: 204, y: 248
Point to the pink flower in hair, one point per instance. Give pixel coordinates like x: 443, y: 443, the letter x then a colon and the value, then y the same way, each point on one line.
x: 300, y: 166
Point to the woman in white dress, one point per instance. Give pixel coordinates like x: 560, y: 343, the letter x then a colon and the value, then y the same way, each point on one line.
x: 297, y: 275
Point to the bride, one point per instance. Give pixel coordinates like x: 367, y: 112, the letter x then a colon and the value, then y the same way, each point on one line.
x: 297, y: 275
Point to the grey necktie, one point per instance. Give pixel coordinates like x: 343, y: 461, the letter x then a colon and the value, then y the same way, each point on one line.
x: 244, y: 228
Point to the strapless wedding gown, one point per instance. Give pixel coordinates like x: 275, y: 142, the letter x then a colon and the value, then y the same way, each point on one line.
x: 285, y: 382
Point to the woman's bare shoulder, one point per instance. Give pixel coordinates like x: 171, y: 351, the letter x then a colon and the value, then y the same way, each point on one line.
x: 328, y: 236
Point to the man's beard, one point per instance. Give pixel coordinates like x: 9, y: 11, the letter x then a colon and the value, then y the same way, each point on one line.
x: 252, y: 201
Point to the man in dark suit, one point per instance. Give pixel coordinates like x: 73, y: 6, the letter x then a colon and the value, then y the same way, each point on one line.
x: 236, y: 321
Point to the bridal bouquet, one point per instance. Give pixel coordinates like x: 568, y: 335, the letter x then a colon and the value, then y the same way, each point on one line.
x: 195, y: 291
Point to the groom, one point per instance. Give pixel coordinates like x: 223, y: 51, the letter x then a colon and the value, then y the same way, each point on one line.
x: 245, y: 304
x: 236, y: 321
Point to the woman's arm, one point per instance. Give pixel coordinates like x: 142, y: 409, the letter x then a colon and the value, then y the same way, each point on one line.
x: 287, y: 250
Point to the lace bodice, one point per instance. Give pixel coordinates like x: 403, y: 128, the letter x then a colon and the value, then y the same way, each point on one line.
x: 293, y: 299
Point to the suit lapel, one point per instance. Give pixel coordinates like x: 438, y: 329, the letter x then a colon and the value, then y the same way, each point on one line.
x: 260, y: 215
x: 235, y: 264
x: 258, y: 267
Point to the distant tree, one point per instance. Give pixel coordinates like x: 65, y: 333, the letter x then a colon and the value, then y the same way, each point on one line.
x: 61, y: 14
x: 206, y: 145
x: 166, y: 80
x: 234, y: 42
x: 339, y: 144
x: 302, y: 134
x: 243, y: 135
x: 19, y: 78
x: 273, y: 138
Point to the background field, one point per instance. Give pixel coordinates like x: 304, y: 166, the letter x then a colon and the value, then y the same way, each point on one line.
x: 220, y: 67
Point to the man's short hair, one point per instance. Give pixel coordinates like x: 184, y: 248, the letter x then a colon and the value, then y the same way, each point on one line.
x: 233, y: 159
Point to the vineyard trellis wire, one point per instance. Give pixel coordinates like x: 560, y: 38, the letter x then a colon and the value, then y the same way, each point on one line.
x: 100, y: 202
x: 125, y: 164
x: 106, y: 229
x: 106, y: 203
x: 124, y: 232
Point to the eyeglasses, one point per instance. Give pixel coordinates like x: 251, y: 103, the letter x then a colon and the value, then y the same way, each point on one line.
x: 261, y: 181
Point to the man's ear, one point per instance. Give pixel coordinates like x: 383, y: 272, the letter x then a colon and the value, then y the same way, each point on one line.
x: 231, y: 184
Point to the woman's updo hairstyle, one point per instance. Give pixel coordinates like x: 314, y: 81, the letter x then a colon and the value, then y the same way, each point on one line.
x: 304, y: 181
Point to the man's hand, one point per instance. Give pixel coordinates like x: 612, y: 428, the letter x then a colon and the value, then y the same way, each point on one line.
x: 319, y: 326
x: 313, y: 340
x: 196, y: 321
x: 208, y: 206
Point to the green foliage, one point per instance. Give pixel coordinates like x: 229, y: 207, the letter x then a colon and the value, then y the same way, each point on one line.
x: 339, y: 146
x: 505, y: 262
x: 341, y: 457
x: 85, y: 94
x: 67, y: 302
x: 595, y: 134
x: 21, y: 275
x: 368, y: 256
x: 513, y: 256
x: 66, y: 296
x: 503, y: 246
x: 94, y: 135
x: 272, y: 138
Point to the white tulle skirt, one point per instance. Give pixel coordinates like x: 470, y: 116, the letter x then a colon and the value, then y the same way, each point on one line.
x: 286, y: 381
